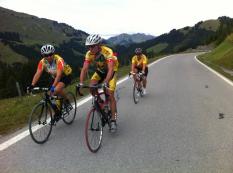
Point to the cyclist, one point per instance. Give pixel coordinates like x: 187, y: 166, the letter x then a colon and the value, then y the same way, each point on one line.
x: 139, y: 65
x: 54, y: 65
x: 106, y: 71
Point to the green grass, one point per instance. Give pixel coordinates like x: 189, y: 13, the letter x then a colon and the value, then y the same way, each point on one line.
x: 211, y: 25
x: 221, y: 58
x: 157, y: 48
x: 14, y: 112
x: 7, y: 55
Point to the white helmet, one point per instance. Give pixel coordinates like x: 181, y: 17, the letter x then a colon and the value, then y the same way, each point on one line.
x: 93, y: 39
x: 47, y: 49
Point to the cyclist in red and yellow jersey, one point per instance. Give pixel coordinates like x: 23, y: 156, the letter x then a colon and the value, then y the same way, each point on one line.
x: 139, y: 65
x: 106, y: 70
x: 56, y: 67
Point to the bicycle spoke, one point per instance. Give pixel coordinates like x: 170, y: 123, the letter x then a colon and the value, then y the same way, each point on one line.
x: 39, y: 123
x: 69, y: 109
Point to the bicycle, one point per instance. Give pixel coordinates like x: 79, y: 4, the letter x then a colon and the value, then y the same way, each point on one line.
x: 137, y: 86
x: 98, y: 116
x: 41, y: 120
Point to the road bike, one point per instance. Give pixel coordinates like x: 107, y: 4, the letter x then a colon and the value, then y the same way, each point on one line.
x: 137, y: 86
x: 48, y: 112
x: 97, y: 118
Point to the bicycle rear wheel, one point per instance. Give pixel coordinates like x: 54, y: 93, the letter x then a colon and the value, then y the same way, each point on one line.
x: 40, y: 126
x: 136, y: 94
x: 93, y: 130
x: 69, y: 108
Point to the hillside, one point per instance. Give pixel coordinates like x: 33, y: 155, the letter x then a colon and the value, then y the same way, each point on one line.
x: 221, y: 57
x: 127, y: 39
x: 203, y: 35
x: 21, y: 36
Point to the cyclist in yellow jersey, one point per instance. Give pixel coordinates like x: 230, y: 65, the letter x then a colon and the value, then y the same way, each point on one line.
x: 106, y: 70
x: 139, y: 64
x: 56, y: 67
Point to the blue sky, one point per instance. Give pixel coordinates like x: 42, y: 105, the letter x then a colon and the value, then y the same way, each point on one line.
x: 111, y: 17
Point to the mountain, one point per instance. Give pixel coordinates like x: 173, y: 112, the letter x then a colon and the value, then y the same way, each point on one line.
x: 209, y: 32
x: 126, y: 39
x: 22, y: 35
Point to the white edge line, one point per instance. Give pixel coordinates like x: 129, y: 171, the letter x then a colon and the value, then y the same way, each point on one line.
x: 25, y: 133
x: 215, y: 72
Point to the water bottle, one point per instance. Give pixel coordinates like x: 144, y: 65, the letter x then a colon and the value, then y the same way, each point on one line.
x: 54, y: 105
x: 58, y: 103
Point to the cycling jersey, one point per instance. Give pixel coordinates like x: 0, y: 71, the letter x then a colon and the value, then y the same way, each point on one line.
x: 58, y: 63
x: 102, y: 58
x: 139, y: 62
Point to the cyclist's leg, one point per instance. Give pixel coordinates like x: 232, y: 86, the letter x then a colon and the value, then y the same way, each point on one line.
x: 94, y: 80
x: 145, y: 78
x: 134, y: 76
x: 59, y: 90
x: 111, y: 90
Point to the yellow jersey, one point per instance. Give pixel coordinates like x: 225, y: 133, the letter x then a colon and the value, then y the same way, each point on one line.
x: 139, y: 60
x: 58, y: 63
x: 102, y: 58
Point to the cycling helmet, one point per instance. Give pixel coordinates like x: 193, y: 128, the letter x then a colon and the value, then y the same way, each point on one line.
x: 138, y: 51
x: 47, y: 49
x: 93, y: 39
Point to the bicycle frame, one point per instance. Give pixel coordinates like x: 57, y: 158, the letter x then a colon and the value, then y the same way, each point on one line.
x: 97, y: 100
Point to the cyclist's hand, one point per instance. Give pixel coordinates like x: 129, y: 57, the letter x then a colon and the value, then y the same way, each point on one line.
x: 79, y: 85
x: 105, y: 85
x: 52, y: 89
x: 141, y: 73
x: 30, y: 88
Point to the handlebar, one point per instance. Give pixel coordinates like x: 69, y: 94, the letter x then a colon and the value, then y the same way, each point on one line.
x: 78, y: 88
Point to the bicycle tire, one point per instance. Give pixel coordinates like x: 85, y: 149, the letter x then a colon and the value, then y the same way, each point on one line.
x: 94, y: 130
x: 135, y: 93
x: 40, y: 126
x: 70, y: 110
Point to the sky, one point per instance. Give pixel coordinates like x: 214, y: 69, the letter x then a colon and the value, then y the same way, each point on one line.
x: 113, y: 17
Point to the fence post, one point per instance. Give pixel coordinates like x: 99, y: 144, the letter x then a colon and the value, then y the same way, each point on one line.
x: 18, y: 89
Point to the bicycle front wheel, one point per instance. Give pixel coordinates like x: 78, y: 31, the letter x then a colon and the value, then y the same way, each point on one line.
x: 93, y: 130
x: 70, y: 108
x: 40, y: 126
x: 136, y: 94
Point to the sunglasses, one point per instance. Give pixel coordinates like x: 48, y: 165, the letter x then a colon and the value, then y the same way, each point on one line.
x: 47, y: 55
x: 91, y: 46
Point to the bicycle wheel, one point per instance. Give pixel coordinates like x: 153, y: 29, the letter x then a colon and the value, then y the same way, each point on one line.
x: 136, y: 94
x: 69, y: 109
x: 93, y: 130
x: 40, y: 126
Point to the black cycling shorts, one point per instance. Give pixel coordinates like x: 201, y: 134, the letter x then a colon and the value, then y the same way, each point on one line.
x: 64, y: 79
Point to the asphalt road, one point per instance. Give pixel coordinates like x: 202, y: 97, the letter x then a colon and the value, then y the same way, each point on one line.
x: 175, y: 128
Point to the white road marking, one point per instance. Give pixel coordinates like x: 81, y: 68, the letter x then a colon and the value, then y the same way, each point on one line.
x: 215, y: 72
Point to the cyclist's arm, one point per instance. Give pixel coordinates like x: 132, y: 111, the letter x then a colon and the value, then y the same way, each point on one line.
x: 110, y: 70
x: 36, y: 77
x: 84, y: 71
x: 37, y: 74
x: 133, y: 68
x: 143, y: 67
x: 145, y: 61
